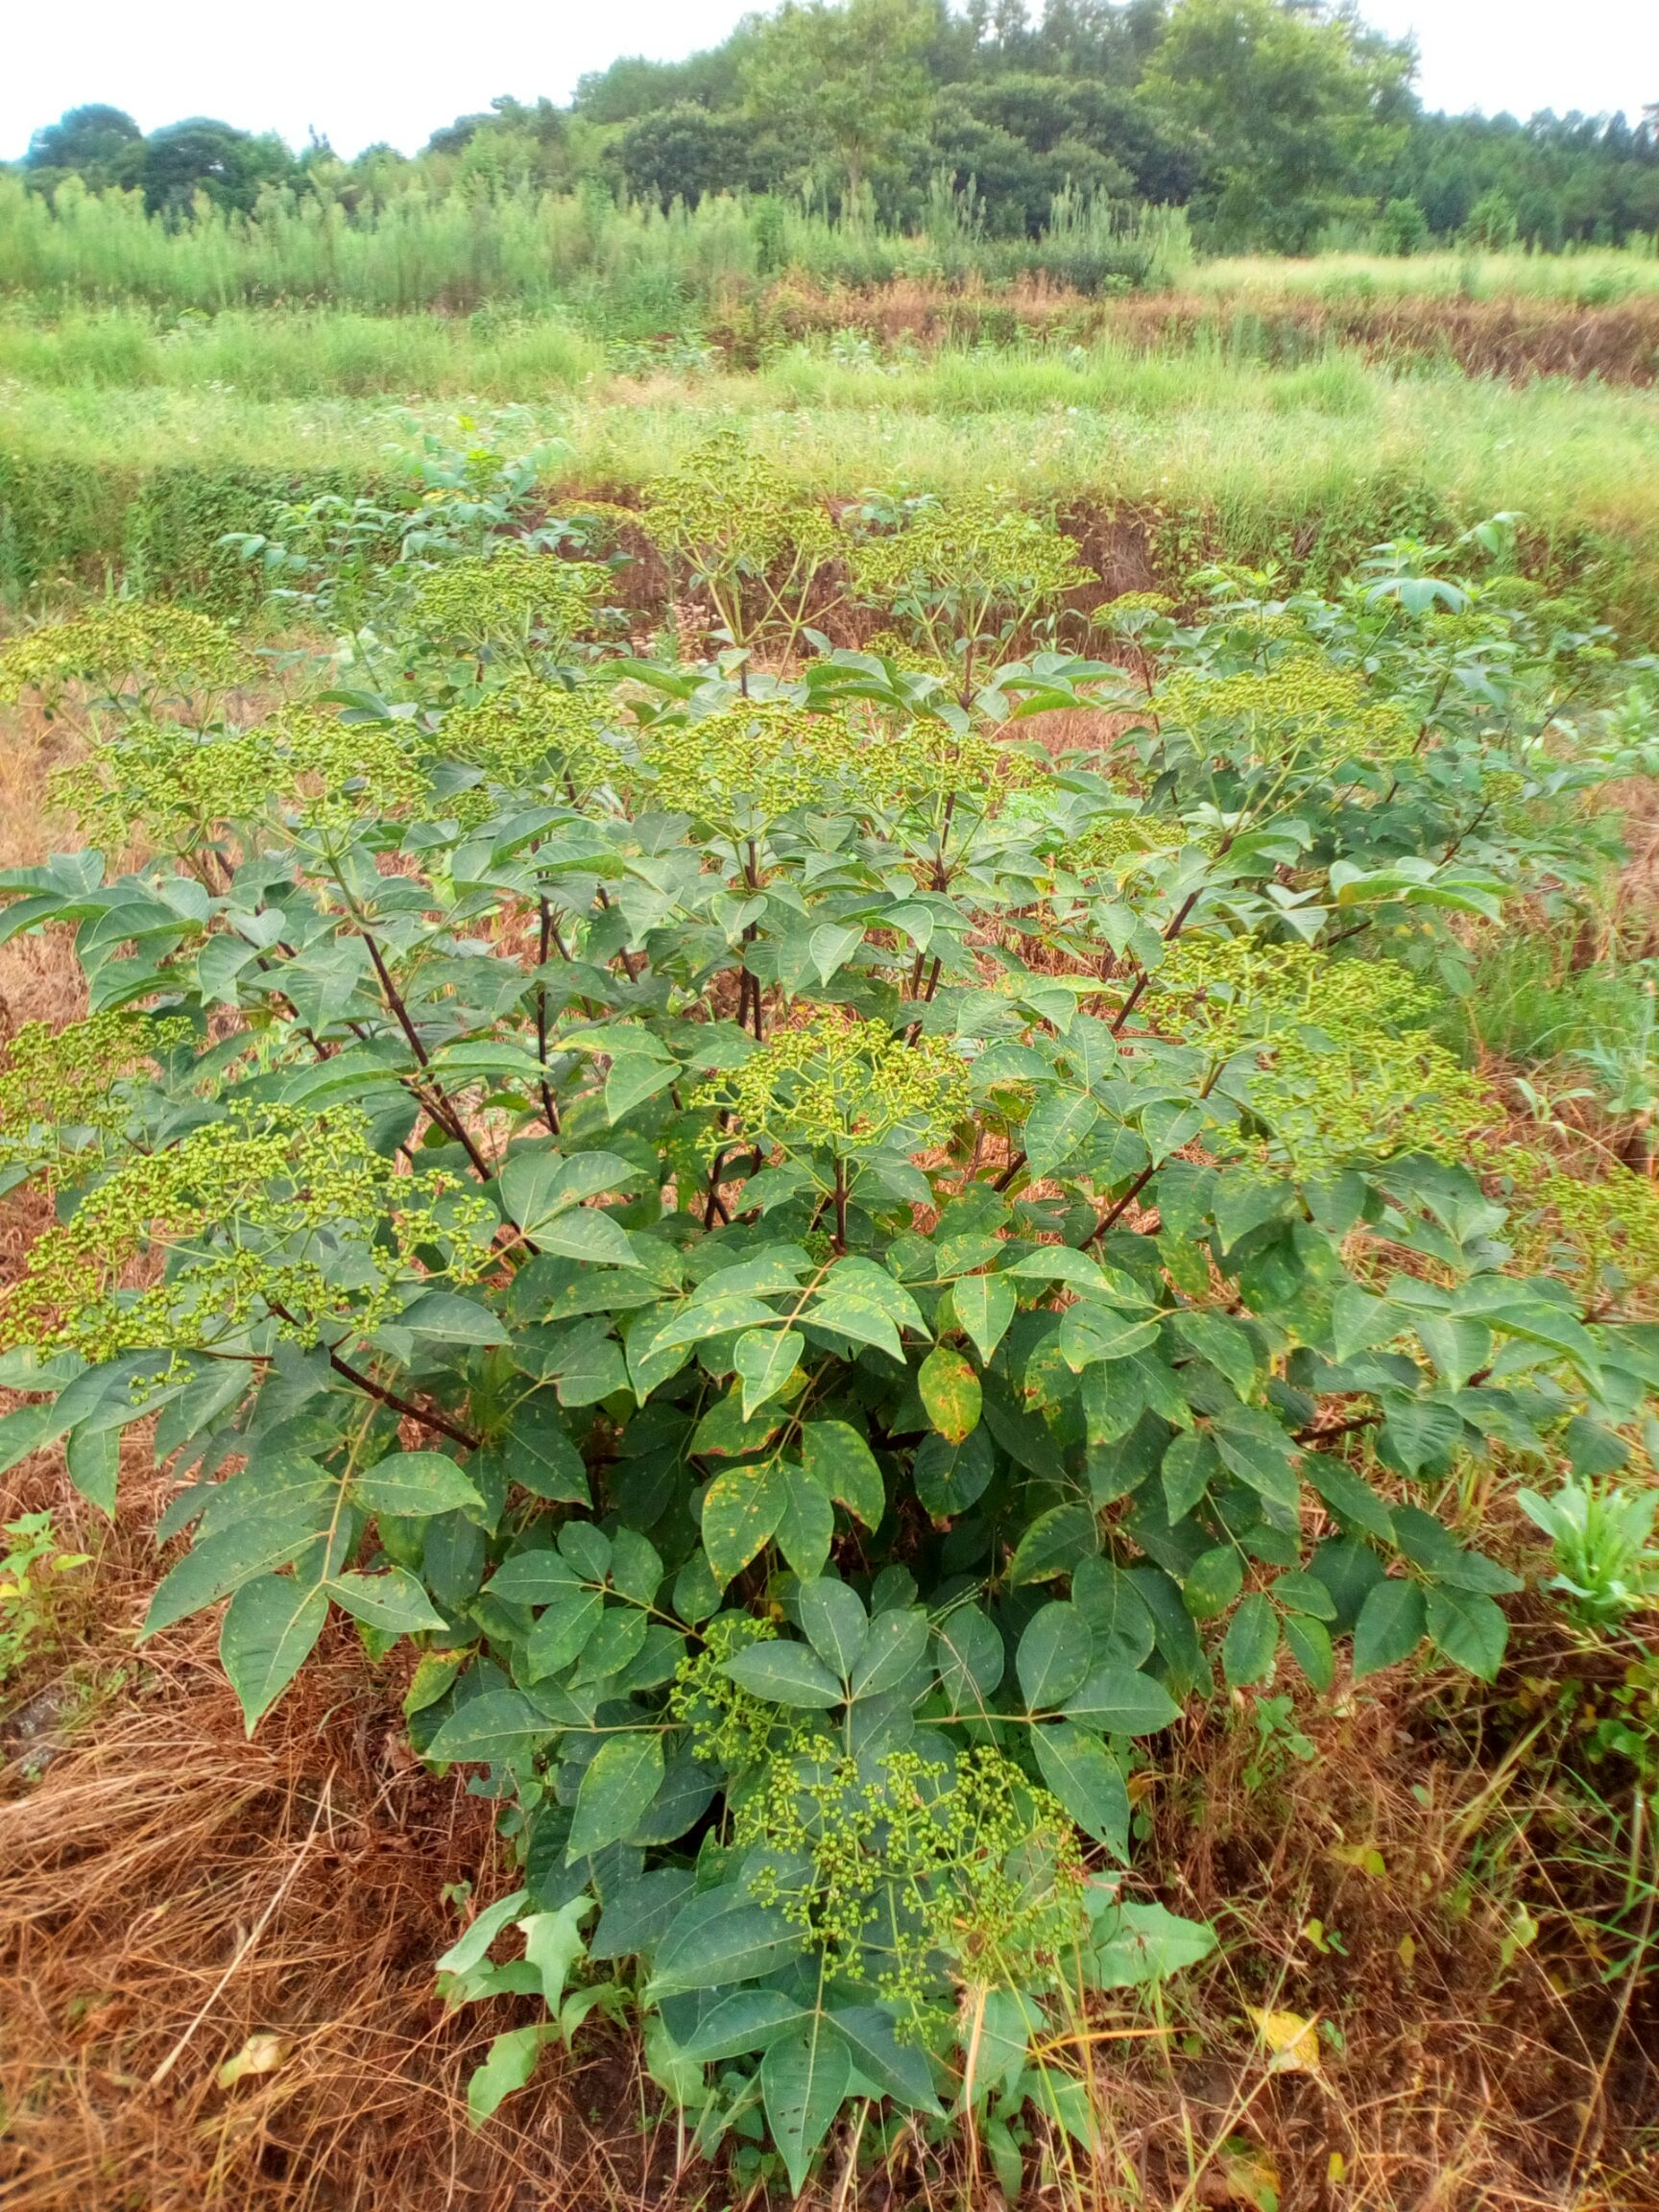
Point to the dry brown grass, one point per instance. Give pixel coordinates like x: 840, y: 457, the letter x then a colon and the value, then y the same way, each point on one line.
x: 169, y: 1891
x: 1513, y: 338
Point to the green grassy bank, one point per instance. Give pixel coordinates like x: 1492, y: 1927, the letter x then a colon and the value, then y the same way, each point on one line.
x: 101, y: 472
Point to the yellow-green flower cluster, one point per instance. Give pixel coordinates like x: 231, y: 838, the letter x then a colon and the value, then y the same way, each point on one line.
x: 1305, y: 709
x: 149, y: 643
x: 523, y: 739
x: 895, y: 1868
x: 750, y: 765
x: 1132, y: 607
x: 327, y: 770
x: 1602, y: 1235
x: 747, y: 766
x: 927, y: 761
x: 1340, y: 1076
x: 730, y: 1726
x: 728, y: 511
x: 59, y: 1081
x: 512, y: 597
x: 263, y: 1217
x: 982, y: 546
x: 1241, y: 986
x: 1124, y: 843
x: 176, y: 787
x: 845, y: 1085
x: 1366, y: 1096
x: 165, y: 785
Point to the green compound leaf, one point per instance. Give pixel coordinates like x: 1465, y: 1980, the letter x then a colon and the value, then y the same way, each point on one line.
x: 899, y: 2070
x: 950, y: 1478
x: 622, y: 1779
x: 741, y: 1509
x: 1309, y: 1643
x: 392, y: 1600
x: 588, y: 1235
x: 803, y: 2079
x: 842, y: 1464
x: 636, y: 1917
x: 789, y: 1673
x: 1353, y: 1501
x: 1251, y: 1641
x: 747, y: 2020
x: 223, y: 1560
x: 1056, y: 1127
x: 765, y: 1360
x: 950, y: 1393
x: 835, y: 1622
x: 1121, y: 1701
x: 1212, y: 1581
x: 1470, y: 1628
x: 1137, y: 1944
x: 1054, y: 1543
x: 562, y: 1630
x: 806, y: 1526
x: 1088, y: 1782
x: 1052, y: 1661
x: 892, y: 1652
x: 969, y: 1656
x: 721, y: 1936
x: 268, y: 1632
x: 93, y: 1459
x: 497, y: 1724
x: 1389, y: 1628
x: 508, y: 2066
x: 983, y: 1305
x: 471, y: 1946
x: 536, y: 1452
x: 415, y: 1482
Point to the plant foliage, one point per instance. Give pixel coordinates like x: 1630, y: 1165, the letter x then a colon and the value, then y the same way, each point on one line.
x: 831, y: 1272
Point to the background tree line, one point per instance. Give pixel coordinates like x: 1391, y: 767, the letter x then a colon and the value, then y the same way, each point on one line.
x: 1276, y: 124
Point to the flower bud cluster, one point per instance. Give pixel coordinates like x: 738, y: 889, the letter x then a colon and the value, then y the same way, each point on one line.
x: 730, y: 1727
x: 172, y: 786
x: 150, y: 642
x: 264, y: 1218
x: 55, y: 1084
x: 727, y: 508
x: 1305, y: 709
x: 522, y: 739
x: 506, y: 598
x: 843, y: 1085
x: 900, y: 1869
x: 1606, y: 1233
x: 981, y: 545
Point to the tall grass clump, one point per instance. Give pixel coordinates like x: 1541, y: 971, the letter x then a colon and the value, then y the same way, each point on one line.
x: 630, y: 265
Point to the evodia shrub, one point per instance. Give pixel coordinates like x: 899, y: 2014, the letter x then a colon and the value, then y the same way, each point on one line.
x: 829, y: 1273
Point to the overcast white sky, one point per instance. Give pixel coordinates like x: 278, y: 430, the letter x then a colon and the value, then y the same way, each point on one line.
x: 361, y: 70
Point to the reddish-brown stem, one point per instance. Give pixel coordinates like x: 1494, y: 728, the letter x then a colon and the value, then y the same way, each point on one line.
x: 1120, y: 1207
x: 429, y: 1094
x: 437, y: 1422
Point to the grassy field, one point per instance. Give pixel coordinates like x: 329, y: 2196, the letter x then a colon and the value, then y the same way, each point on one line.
x: 1592, y: 278
x: 1195, y: 448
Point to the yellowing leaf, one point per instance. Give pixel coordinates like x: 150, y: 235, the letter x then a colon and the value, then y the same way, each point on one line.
x: 262, y: 2054
x: 951, y: 1392
x: 1248, y: 2175
x: 1363, y: 1858
x: 1292, y: 2040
